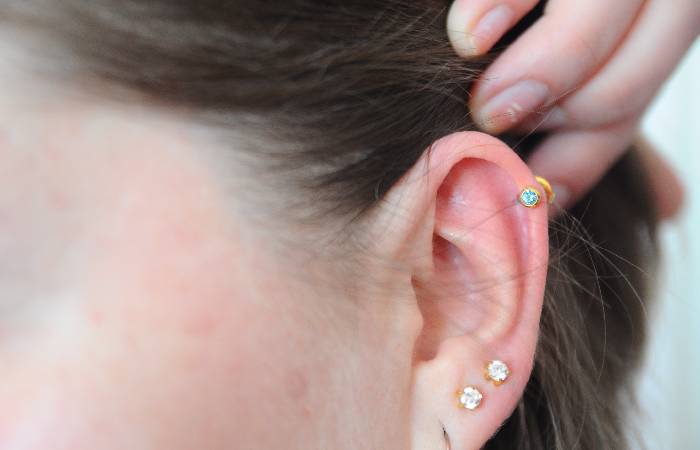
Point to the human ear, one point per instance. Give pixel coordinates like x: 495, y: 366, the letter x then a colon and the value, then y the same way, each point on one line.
x: 478, y: 273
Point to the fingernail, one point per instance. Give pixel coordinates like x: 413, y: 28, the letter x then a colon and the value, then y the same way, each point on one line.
x: 512, y: 105
x: 545, y: 121
x: 490, y: 28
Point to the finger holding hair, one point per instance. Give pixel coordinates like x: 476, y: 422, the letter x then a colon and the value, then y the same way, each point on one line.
x: 575, y: 161
x: 596, y: 125
x: 558, y: 54
x: 629, y: 80
x: 474, y: 26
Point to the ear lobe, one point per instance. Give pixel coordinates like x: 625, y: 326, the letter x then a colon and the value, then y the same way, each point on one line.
x: 482, y: 296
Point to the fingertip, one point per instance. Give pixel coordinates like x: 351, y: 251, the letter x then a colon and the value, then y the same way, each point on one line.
x: 458, y: 21
x: 473, y: 30
x: 672, y: 200
x: 511, y: 106
x: 575, y: 160
x: 666, y: 186
x: 491, y: 27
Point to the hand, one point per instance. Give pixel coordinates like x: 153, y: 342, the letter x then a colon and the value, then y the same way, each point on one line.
x: 586, y: 70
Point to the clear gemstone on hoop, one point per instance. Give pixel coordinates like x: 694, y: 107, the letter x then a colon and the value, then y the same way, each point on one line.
x: 529, y: 197
x: 497, y: 371
x: 470, y: 398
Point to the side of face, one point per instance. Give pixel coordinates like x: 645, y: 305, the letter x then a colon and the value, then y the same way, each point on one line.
x: 140, y: 310
x: 144, y: 308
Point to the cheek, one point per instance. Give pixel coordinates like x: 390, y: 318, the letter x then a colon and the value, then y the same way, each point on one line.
x: 164, y: 352
x: 166, y: 339
x: 169, y: 374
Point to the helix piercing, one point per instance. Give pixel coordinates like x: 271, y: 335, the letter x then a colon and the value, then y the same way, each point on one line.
x: 530, y: 196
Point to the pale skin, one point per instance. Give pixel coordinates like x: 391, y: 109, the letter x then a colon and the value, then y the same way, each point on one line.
x: 143, y: 310
x: 587, y: 71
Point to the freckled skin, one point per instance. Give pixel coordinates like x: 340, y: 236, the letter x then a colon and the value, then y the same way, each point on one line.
x: 142, y: 312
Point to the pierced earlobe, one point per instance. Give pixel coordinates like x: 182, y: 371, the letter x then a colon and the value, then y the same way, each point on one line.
x: 470, y: 398
x: 496, y: 371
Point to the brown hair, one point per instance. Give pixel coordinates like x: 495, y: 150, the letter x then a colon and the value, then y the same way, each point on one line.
x: 353, y: 93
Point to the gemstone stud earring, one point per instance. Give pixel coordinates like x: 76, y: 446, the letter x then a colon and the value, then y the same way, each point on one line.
x: 470, y: 398
x: 529, y: 197
x: 496, y: 372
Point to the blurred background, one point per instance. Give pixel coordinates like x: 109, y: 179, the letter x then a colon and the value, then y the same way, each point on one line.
x: 670, y: 382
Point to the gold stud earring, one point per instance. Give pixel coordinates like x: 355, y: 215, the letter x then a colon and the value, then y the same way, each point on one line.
x: 470, y: 398
x: 496, y: 371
